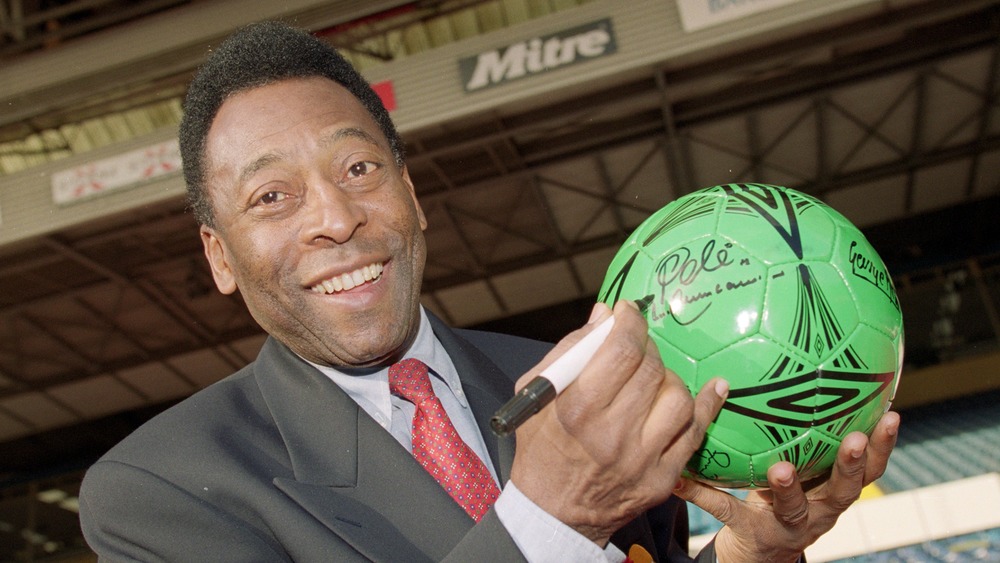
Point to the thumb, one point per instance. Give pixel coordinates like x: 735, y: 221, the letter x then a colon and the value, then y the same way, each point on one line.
x: 720, y: 504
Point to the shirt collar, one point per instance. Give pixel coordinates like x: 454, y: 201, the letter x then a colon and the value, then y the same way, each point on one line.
x: 428, y: 349
x: 370, y: 389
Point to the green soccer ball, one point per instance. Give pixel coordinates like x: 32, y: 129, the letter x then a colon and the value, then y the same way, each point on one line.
x: 785, y: 298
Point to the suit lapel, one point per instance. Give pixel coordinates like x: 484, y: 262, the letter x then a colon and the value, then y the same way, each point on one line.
x: 395, y: 512
x: 349, y: 473
x: 322, y: 446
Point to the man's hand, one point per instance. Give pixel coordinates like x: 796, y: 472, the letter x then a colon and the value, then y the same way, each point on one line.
x: 779, y: 523
x: 614, y: 442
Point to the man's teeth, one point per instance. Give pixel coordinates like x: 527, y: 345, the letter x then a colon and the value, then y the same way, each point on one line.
x: 349, y: 280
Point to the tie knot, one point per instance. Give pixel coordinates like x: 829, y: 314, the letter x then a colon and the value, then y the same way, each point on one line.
x: 408, y: 378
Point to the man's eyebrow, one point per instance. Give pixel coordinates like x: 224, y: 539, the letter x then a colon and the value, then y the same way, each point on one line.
x: 349, y: 133
x: 257, y: 165
x: 270, y: 158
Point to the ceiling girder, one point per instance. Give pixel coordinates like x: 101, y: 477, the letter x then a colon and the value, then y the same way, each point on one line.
x: 50, y: 25
x: 143, y: 352
x: 990, y: 101
x: 917, y: 138
x: 607, y: 186
x: 675, y: 149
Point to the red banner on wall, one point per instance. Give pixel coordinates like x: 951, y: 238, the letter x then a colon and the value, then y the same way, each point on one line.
x: 387, y: 93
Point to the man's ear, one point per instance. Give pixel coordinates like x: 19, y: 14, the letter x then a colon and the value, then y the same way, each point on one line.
x: 218, y: 259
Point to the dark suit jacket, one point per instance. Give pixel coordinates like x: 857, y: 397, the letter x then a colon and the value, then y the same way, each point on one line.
x: 276, y: 463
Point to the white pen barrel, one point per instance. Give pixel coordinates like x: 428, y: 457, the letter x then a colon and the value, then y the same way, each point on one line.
x: 567, y: 367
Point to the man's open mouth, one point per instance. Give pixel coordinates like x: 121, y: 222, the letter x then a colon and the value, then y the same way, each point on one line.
x: 349, y: 280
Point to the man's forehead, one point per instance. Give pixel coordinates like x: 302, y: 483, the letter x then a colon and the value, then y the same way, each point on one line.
x: 278, y: 106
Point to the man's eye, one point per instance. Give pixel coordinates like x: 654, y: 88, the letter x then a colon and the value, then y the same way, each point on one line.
x: 271, y: 197
x: 361, y: 168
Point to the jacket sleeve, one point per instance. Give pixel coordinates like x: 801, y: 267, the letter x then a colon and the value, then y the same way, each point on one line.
x: 130, y: 514
x: 486, y: 541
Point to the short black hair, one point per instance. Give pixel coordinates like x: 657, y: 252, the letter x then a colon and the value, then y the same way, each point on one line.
x: 256, y: 55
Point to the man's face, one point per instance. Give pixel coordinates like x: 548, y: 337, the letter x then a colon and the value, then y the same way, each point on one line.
x: 316, y: 225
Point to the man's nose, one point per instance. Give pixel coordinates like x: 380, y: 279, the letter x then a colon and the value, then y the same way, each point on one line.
x: 331, y: 214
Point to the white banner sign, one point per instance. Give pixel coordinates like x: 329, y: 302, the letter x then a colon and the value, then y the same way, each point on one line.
x: 537, y: 55
x: 699, y: 14
x: 116, y: 172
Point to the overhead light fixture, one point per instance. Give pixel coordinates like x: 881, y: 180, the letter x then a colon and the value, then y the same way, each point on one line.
x: 71, y: 504
x: 60, y: 498
x: 51, y: 496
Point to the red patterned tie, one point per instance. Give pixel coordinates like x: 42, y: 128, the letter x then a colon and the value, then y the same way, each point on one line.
x: 437, y: 445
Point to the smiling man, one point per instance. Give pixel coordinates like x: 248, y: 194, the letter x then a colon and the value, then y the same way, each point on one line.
x: 361, y: 430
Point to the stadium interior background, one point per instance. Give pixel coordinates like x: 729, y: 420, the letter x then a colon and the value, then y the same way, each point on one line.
x: 887, y: 110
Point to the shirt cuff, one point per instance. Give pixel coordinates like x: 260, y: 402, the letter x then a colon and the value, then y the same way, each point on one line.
x: 543, y: 538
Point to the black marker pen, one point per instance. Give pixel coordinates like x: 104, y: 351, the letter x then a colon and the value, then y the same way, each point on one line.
x: 541, y: 390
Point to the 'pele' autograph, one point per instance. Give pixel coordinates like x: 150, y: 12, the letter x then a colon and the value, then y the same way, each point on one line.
x: 678, y: 272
